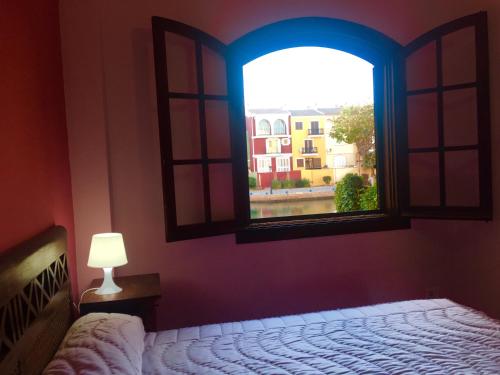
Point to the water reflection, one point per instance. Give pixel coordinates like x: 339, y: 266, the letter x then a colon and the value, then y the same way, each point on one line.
x: 291, y: 208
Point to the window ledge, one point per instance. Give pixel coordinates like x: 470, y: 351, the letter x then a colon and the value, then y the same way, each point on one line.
x: 285, y: 230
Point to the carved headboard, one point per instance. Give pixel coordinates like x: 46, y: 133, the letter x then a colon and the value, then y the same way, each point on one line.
x: 35, y: 305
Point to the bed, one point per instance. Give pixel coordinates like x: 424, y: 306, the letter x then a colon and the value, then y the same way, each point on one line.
x: 411, y: 337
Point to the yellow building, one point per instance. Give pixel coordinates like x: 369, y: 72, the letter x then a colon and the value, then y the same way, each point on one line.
x: 309, y: 149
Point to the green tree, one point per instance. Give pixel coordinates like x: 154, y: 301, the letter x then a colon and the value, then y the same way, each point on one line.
x: 356, y: 125
x: 347, y: 193
x: 370, y: 160
x: 252, y: 182
x: 368, y: 200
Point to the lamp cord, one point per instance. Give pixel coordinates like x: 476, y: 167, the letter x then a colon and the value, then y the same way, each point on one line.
x: 77, y: 306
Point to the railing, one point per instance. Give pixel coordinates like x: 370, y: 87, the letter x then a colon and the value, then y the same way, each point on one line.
x: 309, y: 150
x: 315, y: 131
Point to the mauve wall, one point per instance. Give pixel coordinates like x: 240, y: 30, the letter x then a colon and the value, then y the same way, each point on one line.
x: 115, y: 159
x: 35, y: 185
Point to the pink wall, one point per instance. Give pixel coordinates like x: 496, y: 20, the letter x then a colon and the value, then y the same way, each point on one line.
x: 35, y: 186
x: 115, y: 159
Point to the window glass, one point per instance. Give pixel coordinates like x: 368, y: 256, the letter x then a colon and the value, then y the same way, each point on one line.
x: 273, y: 145
x: 340, y: 161
x: 298, y: 125
x: 264, y: 165
x: 263, y: 128
x: 315, y: 130
x: 279, y: 127
x: 283, y: 164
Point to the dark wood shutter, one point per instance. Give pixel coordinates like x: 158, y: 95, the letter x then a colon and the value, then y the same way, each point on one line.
x: 446, y: 153
x: 195, y: 131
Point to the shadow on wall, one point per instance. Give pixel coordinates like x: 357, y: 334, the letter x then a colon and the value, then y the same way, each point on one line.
x: 194, y: 305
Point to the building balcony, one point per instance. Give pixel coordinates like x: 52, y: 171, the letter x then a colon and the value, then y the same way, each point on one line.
x: 315, y: 131
x: 312, y: 167
x: 309, y: 150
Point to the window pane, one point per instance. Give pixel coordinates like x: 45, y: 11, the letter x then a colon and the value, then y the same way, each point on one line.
x: 283, y: 164
x: 264, y: 165
x: 460, y: 117
x: 315, y: 133
x: 189, y: 194
x: 279, y: 127
x: 421, y: 69
x: 424, y: 179
x: 218, y: 136
x: 221, y: 191
x: 214, y: 72
x: 462, y: 178
x: 181, y: 64
x: 185, y: 125
x: 263, y: 128
x: 273, y: 145
x: 422, y: 121
x: 459, y: 57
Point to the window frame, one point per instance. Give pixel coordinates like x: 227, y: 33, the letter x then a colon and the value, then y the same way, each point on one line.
x: 269, y: 145
x: 349, y: 37
x: 483, y: 146
x: 392, y: 147
x: 287, y: 167
x: 258, y: 131
x: 264, y: 162
x: 280, y: 122
x: 336, y: 161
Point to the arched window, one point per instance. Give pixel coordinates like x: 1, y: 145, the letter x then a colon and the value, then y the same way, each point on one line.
x: 263, y: 127
x: 430, y: 112
x: 279, y: 127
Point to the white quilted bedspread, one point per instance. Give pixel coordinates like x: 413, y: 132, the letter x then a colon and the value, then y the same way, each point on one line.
x: 412, y: 337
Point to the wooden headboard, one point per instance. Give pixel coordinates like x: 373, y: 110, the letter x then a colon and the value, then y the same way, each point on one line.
x: 35, y: 304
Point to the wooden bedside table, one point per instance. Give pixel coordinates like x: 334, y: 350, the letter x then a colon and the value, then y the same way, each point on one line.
x: 138, y: 297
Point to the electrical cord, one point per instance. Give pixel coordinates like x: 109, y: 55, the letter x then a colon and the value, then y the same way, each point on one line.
x: 77, y: 306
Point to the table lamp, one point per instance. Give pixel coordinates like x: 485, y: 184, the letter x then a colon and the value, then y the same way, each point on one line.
x: 107, y: 250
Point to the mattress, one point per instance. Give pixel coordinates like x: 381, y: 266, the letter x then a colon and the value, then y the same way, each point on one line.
x: 411, y: 337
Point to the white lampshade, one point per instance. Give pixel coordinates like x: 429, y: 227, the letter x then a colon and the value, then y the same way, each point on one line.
x: 107, y: 250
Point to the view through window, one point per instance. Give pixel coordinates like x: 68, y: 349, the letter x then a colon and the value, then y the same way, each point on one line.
x: 310, y: 133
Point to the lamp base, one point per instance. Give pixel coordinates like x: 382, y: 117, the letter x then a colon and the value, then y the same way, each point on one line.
x: 108, y: 285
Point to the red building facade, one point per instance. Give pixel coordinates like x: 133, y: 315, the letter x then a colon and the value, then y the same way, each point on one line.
x: 269, y: 144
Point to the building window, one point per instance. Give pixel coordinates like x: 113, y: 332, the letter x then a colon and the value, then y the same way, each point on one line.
x: 273, y: 146
x: 313, y: 163
x: 340, y: 161
x: 264, y: 165
x: 309, y: 147
x: 315, y: 130
x: 300, y: 163
x: 298, y: 125
x: 263, y: 128
x: 279, y: 127
x: 414, y: 86
x: 283, y: 164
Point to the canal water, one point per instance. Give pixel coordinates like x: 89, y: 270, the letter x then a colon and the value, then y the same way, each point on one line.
x: 260, y: 210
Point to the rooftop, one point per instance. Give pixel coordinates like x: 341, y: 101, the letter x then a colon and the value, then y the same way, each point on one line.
x: 267, y: 111
x: 295, y: 112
